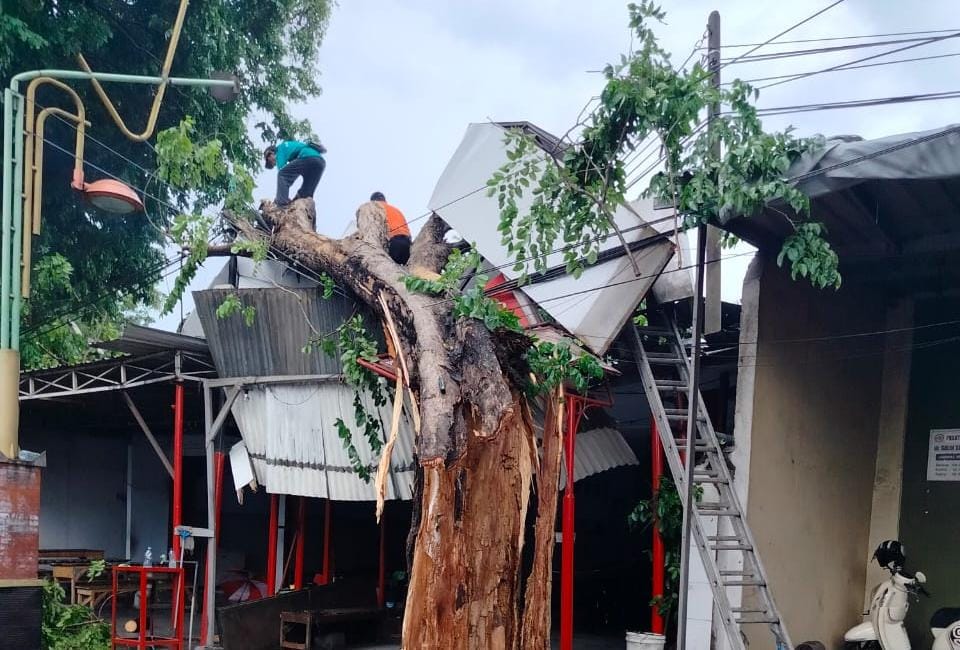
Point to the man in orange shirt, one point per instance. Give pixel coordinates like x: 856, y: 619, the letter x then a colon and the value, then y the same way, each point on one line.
x: 398, y: 233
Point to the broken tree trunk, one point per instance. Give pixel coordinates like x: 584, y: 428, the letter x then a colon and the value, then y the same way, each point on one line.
x: 476, y: 446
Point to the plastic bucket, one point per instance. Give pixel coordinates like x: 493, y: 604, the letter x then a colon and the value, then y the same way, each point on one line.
x: 645, y: 641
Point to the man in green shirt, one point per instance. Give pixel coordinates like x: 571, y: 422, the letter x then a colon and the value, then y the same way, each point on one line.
x: 295, y: 159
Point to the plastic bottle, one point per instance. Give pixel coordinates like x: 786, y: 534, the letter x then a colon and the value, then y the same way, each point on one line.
x: 171, y: 560
x: 148, y: 557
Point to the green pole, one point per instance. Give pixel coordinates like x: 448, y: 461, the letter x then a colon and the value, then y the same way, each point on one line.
x: 16, y: 296
x: 5, y: 252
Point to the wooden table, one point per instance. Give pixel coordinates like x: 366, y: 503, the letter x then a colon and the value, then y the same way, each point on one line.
x: 71, y: 572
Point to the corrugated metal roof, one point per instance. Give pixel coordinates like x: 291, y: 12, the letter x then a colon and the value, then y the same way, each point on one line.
x: 597, y: 451
x: 139, y: 340
x: 293, y: 442
x: 286, y: 320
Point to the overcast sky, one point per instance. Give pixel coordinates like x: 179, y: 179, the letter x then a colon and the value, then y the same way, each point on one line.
x: 403, y: 79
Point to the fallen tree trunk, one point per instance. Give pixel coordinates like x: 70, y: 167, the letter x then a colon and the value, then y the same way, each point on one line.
x: 476, y: 445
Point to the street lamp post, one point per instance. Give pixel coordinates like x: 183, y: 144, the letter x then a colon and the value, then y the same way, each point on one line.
x: 20, y: 167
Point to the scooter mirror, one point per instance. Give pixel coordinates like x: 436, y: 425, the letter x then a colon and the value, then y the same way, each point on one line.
x: 921, y: 578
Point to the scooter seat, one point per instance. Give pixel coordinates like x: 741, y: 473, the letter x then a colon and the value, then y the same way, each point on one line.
x: 944, y: 617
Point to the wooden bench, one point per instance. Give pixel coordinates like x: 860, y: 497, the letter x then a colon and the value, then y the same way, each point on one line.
x: 304, y: 622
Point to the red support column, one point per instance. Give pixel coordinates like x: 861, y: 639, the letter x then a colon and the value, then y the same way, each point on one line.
x: 301, y: 534
x: 177, y: 465
x: 324, y: 576
x: 219, y: 458
x: 272, y: 545
x: 574, y: 406
x: 382, y: 572
x: 657, y: 624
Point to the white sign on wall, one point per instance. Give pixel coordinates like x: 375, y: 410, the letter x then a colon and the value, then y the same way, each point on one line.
x: 943, y: 459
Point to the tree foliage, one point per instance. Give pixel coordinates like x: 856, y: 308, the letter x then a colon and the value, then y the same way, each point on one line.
x: 566, y: 197
x: 108, y: 266
x: 71, y: 627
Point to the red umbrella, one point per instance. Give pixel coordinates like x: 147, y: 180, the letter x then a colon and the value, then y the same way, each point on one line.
x: 243, y: 588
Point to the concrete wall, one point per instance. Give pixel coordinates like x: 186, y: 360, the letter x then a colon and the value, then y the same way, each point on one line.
x: 811, y: 434
x: 930, y: 527
x: 83, y: 496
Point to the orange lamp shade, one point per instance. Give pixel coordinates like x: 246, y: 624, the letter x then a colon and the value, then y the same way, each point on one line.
x: 112, y: 196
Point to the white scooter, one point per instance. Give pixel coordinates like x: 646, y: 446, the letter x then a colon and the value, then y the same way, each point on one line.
x: 888, y: 608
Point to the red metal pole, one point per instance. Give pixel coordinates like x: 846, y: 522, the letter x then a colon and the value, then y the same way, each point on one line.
x: 219, y: 458
x: 301, y: 534
x: 574, y: 407
x: 142, y: 632
x: 177, y: 464
x: 325, y: 573
x: 272, y: 545
x: 657, y: 624
x: 382, y: 574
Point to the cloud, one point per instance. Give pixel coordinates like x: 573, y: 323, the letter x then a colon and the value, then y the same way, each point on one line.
x: 403, y: 79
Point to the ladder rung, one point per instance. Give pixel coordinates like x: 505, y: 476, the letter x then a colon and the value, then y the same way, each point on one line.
x: 713, y: 505
x: 720, y: 513
x: 705, y: 449
x: 745, y: 573
x: 683, y: 417
x: 714, y: 480
x: 758, y: 621
x: 734, y: 547
x: 744, y: 583
x: 724, y: 538
x: 749, y: 610
x: 665, y: 360
x: 671, y: 383
x: 663, y: 356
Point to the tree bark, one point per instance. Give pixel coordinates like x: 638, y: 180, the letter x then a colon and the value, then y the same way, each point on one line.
x: 536, y: 612
x: 476, y: 446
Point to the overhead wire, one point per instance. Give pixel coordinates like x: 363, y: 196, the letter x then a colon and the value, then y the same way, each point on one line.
x: 854, y: 67
x: 843, y: 38
x: 840, y: 66
x: 783, y: 33
x: 858, y: 103
x: 830, y: 49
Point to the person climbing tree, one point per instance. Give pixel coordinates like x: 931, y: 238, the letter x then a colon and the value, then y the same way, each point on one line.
x: 295, y: 159
x: 398, y: 232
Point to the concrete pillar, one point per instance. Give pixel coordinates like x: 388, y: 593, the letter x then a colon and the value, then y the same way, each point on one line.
x: 743, y: 420
x: 888, y: 475
x: 19, y: 520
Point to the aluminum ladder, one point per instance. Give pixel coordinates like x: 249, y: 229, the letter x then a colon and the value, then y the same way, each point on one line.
x: 665, y: 371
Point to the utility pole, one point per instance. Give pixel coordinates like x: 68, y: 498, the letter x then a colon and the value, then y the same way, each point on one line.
x: 693, y: 390
x: 713, y: 303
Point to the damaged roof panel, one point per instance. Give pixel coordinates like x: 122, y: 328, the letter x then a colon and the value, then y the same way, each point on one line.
x: 593, y: 308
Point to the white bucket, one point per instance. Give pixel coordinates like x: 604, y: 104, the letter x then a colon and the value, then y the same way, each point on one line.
x: 645, y: 641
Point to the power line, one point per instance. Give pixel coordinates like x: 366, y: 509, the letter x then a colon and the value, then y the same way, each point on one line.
x: 831, y: 49
x: 783, y: 33
x: 843, y: 38
x: 855, y: 67
x: 858, y: 103
x: 804, y: 75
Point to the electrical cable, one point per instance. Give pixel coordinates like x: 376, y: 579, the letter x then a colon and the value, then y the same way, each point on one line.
x: 844, y: 38
x: 783, y: 33
x: 854, y: 67
x: 857, y: 103
x: 841, y: 66
x: 833, y: 49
